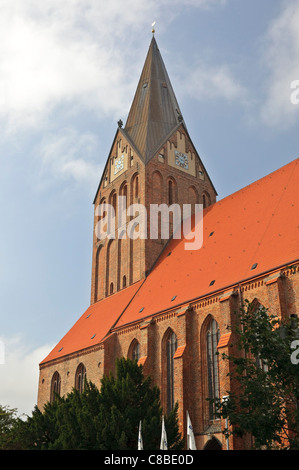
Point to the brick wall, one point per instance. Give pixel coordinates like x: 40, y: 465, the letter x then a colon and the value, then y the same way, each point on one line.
x: 190, y: 362
x: 133, y: 259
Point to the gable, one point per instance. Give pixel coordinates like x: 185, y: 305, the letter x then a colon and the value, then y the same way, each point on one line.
x: 123, y: 155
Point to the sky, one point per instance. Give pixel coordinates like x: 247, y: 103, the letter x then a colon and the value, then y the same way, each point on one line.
x: 68, y: 73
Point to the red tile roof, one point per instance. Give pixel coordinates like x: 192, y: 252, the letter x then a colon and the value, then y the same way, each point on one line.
x: 257, y: 225
x: 94, y: 324
x: 224, y: 340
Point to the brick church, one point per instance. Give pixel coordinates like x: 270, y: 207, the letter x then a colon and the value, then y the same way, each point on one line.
x: 156, y: 301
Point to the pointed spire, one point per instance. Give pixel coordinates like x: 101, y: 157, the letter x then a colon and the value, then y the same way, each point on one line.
x: 155, y: 112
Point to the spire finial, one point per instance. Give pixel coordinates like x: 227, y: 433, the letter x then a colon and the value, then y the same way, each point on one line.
x: 153, y: 27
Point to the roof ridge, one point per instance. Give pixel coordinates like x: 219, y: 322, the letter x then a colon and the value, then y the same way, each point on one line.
x: 292, y: 162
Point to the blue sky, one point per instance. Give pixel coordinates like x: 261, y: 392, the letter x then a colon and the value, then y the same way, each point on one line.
x: 69, y: 71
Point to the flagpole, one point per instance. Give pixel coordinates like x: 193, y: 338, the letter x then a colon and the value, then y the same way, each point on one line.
x: 140, y: 441
x: 163, y: 442
x: 190, y: 434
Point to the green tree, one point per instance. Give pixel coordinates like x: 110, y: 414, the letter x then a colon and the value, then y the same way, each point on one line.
x: 264, y: 400
x: 8, y: 419
x: 128, y: 399
x: 105, y: 419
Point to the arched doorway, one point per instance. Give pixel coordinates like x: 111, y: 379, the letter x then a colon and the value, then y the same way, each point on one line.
x: 213, y: 444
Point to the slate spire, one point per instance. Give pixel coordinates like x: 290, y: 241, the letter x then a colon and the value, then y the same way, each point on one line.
x: 155, y: 113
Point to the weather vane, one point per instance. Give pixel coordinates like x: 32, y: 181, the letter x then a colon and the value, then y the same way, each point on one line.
x: 153, y: 27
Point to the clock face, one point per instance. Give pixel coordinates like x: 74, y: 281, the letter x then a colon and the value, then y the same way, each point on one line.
x: 119, y: 164
x: 181, y: 160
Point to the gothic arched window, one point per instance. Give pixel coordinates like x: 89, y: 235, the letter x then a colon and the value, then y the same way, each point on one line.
x: 134, y: 350
x: 112, y: 203
x: 170, y: 192
x: 213, y: 336
x: 136, y: 189
x: 123, y: 192
x: 80, y: 377
x: 55, y: 386
x: 171, y: 347
x: 206, y: 199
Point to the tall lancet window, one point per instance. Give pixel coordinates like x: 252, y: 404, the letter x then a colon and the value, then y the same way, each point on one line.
x: 80, y: 377
x: 171, y: 346
x: 213, y: 336
x: 55, y: 386
x: 136, y: 352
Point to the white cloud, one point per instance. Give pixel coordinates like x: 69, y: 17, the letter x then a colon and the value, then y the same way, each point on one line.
x: 46, y: 59
x: 281, y: 56
x: 206, y: 82
x: 60, y: 59
x: 70, y: 155
x: 20, y: 374
x: 52, y: 52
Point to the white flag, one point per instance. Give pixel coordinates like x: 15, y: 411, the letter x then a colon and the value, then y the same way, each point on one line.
x: 190, y: 434
x: 140, y: 441
x: 163, y: 443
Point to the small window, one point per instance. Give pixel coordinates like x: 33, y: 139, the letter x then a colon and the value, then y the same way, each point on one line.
x: 136, y: 187
x: 125, y: 194
x: 114, y: 201
x: 124, y: 281
x: 170, y: 192
x: 111, y: 288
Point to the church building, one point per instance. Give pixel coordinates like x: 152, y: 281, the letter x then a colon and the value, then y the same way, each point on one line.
x: 157, y: 298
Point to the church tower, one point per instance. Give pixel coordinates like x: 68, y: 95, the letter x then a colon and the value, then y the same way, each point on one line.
x: 152, y: 161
